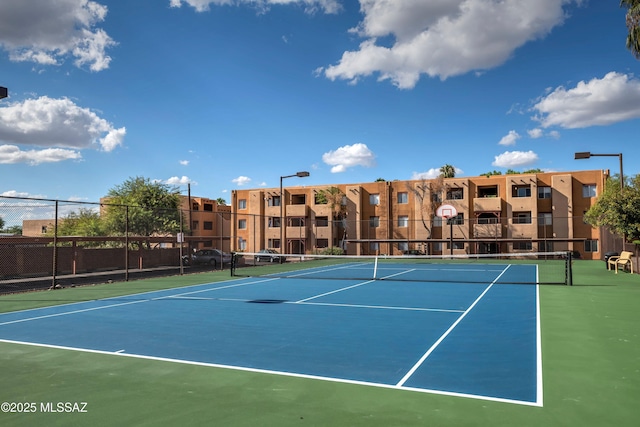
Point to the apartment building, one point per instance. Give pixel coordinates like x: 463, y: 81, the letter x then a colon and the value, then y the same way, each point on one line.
x: 503, y: 213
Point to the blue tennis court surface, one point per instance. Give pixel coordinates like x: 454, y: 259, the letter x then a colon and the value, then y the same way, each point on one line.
x: 478, y: 340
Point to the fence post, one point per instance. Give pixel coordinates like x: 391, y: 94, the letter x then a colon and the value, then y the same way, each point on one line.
x: 55, y: 248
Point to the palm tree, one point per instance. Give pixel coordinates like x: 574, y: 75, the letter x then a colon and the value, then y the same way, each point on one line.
x: 633, y: 25
x: 448, y: 171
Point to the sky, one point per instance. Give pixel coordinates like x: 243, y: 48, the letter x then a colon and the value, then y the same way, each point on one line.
x: 234, y: 94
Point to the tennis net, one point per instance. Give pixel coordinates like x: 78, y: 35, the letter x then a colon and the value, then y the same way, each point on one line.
x: 511, y: 268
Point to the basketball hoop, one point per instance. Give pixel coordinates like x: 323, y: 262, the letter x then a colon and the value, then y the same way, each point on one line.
x: 446, y: 211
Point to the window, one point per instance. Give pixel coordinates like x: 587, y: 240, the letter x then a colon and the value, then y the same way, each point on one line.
x: 437, y: 246
x: 588, y: 190
x: 242, y: 224
x: 522, y: 246
x: 403, y: 198
x: 195, y: 225
x: 242, y: 244
x: 522, y: 217
x: 545, y: 246
x: 194, y: 207
x: 296, y: 221
x: 544, y: 192
x: 322, y: 243
x: 322, y: 221
x: 545, y: 218
x: 207, y: 225
x: 242, y: 204
x: 273, y: 201
x: 374, y: 199
x: 437, y: 221
x: 487, y: 218
x: 521, y: 191
x: 274, y: 222
x: 455, y: 194
x: 458, y: 219
x: 43, y: 230
x: 208, y: 207
x: 374, y: 221
x: 403, y: 221
x: 374, y: 246
x: 320, y: 199
x: 456, y: 245
x: 488, y: 191
x: 298, y: 199
x: 403, y: 246
x: 273, y: 243
x: 591, y: 246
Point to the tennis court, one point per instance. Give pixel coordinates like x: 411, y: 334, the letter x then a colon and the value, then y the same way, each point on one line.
x: 477, y: 337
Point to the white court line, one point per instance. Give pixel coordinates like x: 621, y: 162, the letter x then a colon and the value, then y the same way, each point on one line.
x: 335, y: 291
x: 273, y: 372
x: 448, y: 331
x: 28, y: 319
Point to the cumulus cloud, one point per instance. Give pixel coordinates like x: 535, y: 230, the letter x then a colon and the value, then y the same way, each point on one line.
x: 510, y: 159
x: 311, y: 6
x: 241, y: 180
x: 54, y: 123
x: 184, y: 162
x: 13, y: 154
x: 510, y: 138
x: 47, y: 32
x: 432, y: 173
x: 349, y: 156
x: 598, y: 102
x: 442, y: 38
x: 183, y: 180
x: 535, y: 133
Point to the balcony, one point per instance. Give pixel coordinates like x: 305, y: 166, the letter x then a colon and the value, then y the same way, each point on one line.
x: 483, y: 231
x: 296, y: 232
x: 297, y: 210
x: 487, y: 204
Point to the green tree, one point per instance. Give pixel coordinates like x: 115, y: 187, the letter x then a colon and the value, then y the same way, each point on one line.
x: 85, y: 222
x: 448, y: 171
x: 633, y: 25
x: 1, y: 223
x: 618, y: 210
x: 492, y: 173
x: 221, y: 201
x: 152, y: 208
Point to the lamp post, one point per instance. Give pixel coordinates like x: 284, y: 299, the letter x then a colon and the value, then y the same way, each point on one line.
x: 301, y: 174
x: 588, y: 154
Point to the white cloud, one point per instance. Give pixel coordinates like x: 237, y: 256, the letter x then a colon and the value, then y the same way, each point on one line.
x: 510, y: 159
x: 598, y: 102
x: 184, y: 162
x: 12, y: 154
x: 442, y: 38
x: 349, y: 156
x: 535, y: 133
x: 311, y: 6
x: 46, y: 32
x: 241, y: 180
x: 432, y: 173
x: 48, y: 122
x: 510, y: 138
x: 183, y: 180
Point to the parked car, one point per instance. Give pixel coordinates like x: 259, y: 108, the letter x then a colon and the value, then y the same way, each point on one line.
x: 413, y: 252
x: 214, y: 257
x: 269, y: 255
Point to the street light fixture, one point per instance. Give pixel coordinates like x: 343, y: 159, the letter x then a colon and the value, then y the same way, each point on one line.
x: 301, y: 174
x: 588, y: 154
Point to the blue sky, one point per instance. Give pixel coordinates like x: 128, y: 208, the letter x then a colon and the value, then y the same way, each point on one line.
x: 229, y: 94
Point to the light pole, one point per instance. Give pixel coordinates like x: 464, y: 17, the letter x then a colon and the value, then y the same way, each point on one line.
x: 301, y: 174
x: 588, y: 154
